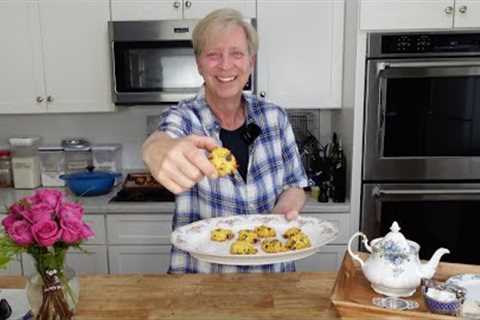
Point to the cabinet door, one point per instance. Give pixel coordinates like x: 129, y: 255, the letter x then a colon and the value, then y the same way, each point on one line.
x: 20, y: 58
x: 467, y: 14
x: 139, y: 228
x: 127, y: 10
x: 406, y: 14
x: 300, y: 60
x: 135, y: 259
x: 95, y: 261
x: 196, y: 9
x: 76, y: 54
x: 327, y: 259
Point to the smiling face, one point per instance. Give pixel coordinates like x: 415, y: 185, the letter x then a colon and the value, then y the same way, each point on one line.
x: 225, y: 63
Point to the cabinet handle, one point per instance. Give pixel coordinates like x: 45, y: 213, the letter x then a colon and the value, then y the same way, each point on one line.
x: 39, y: 99
x: 188, y: 4
x: 176, y: 4
x: 463, y: 9
x: 49, y: 99
x: 263, y: 94
x: 449, y: 10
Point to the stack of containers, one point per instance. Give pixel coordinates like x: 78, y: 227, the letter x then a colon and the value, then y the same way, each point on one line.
x: 52, y: 159
x: 25, y: 162
x: 108, y: 157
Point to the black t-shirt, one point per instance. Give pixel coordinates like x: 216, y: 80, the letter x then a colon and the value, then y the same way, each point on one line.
x: 233, y: 140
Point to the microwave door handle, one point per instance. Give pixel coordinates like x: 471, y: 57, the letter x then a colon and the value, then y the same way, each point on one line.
x: 378, y: 193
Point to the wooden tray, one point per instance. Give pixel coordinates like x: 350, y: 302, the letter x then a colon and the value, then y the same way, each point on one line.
x: 352, y: 294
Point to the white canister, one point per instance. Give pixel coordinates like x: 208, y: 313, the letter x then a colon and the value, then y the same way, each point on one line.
x: 25, y: 162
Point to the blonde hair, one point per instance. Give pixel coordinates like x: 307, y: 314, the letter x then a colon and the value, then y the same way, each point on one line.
x: 223, y: 17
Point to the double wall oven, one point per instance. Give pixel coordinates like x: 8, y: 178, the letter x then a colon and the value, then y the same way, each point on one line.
x: 421, y: 154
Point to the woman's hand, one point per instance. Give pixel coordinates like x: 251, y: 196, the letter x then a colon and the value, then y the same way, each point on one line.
x: 290, y: 203
x: 178, y: 163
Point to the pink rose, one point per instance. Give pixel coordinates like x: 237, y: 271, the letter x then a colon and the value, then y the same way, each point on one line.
x: 8, y: 221
x: 46, y: 232
x: 20, y: 233
x: 37, y: 212
x: 71, y: 208
x: 52, y: 198
x: 71, y: 230
x: 87, y: 232
x: 17, y: 209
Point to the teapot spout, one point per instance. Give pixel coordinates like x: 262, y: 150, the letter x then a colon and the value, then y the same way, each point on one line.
x: 428, y: 269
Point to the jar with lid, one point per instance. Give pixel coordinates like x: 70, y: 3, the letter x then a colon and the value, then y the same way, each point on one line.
x: 25, y: 162
x: 5, y: 169
x: 78, y: 154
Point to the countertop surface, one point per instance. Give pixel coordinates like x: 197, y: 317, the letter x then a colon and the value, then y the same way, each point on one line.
x: 102, y: 204
x: 276, y: 296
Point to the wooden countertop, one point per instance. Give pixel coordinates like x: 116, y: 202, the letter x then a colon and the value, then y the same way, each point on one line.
x: 292, y: 296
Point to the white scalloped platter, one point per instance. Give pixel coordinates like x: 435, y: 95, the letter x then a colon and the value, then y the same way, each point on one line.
x: 195, y: 238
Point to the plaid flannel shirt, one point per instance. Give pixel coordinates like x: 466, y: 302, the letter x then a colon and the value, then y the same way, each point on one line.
x: 274, y: 166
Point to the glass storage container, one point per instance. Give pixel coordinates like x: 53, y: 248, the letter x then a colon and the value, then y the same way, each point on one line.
x: 25, y: 162
x: 108, y: 157
x: 78, y: 155
x: 52, y: 163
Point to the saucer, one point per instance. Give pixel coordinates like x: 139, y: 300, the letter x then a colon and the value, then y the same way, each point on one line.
x: 394, y: 303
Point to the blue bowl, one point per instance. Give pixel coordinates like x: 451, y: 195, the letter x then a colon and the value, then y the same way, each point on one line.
x: 87, y: 184
x: 451, y: 307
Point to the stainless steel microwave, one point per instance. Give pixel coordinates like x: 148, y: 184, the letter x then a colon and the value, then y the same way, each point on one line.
x: 153, y: 62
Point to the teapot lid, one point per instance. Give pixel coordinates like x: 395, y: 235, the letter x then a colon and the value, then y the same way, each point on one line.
x: 394, y: 241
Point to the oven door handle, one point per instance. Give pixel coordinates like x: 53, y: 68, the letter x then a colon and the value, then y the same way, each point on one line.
x: 426, y: 64
x: 378, y: 193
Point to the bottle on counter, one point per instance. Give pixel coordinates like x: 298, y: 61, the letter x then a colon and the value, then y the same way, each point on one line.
x: 339, y: 176
x: 5, y: 169
x: 25, y: 162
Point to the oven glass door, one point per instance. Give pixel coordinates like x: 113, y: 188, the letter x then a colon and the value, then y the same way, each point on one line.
x: 433, y: 215
x: 422, y: 119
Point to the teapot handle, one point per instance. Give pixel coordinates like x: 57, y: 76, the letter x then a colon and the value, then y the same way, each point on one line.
x: 365, y: 243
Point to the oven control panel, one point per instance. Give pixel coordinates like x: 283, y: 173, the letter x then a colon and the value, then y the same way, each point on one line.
x: 426, y: 43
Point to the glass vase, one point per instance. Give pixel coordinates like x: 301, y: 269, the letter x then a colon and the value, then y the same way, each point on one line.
x: 34, y: 290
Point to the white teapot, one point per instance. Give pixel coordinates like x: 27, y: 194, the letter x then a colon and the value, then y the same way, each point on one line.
x: 393, y: 267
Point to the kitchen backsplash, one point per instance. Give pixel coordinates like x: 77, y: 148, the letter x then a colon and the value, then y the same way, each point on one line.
x: 128, y: 126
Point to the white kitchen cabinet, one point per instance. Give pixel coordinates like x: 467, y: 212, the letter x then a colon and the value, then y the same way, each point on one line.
x: 58, y: 56
x: 419, y: 14
x: 135, y: 259
x: 129, y: 10
x: 200, y: 8
x: 139, y: 242
x: 327, y: 259
x: 131, y: 229
x: 21, y: 58
x: 300, y: 59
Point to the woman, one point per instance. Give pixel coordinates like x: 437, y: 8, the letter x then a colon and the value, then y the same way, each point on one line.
x: 270, y: 176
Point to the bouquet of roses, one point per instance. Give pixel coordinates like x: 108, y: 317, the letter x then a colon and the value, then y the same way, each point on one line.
x: 45, y: 225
